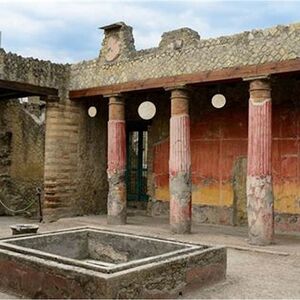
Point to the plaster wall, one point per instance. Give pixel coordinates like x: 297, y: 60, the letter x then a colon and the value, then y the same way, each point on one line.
x: 219, y: 156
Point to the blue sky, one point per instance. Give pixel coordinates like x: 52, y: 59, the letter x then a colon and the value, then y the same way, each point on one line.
x: 67, y: 31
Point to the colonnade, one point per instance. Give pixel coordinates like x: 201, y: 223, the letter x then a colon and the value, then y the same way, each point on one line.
x: 259, y: 169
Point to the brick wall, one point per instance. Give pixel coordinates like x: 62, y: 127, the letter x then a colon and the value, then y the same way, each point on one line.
x: 61, y: 160
x: 75, y: 160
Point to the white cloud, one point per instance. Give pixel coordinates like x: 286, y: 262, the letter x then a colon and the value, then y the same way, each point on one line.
x: 68, y: 30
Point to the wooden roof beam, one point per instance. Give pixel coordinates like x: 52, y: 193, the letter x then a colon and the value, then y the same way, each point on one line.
x: 28, y: 88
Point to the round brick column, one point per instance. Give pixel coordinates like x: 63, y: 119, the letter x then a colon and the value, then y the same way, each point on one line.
x: 180, y: 163
x: 116, y: 162
x: 259, y: 172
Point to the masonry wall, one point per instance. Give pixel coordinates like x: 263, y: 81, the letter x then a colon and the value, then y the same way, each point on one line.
x: 195, y: 54
x: 219, y: 155
x: 75, y: 160
x: 92, y: 166
x: 16, y: 68
x: 61, y: 160
x: 21, y: 157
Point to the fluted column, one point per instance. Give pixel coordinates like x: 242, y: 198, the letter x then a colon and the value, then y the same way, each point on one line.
x: 259, y: 171
x: 116, y: 162
x: 180, y: 163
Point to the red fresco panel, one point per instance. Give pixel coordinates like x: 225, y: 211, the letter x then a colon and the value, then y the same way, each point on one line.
x: 287, y: 119
x: 230, y: 151
x: 207, y: 128
x: 276, y: 124
x: 234, y: 124
x: 288, y: 147
x: 289, y: 158
x: 213, y: 158
x: 289, y: 166
x: 205, y: 158
x: 276, y: 165
x: 161, y: 180
x: 161, y: 158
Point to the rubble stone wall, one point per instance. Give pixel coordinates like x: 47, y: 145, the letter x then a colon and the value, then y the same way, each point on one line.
x: 16, y: 68
x: 21, y: 157
x: 184, y: 52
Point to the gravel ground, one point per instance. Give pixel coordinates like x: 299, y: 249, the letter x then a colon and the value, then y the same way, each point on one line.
x: 273, y: 272
x: 256, y: 275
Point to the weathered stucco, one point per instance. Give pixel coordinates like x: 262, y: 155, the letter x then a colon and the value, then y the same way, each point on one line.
x: 21, y: 156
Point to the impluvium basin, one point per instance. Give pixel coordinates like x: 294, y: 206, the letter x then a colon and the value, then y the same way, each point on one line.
x: 88, y: 262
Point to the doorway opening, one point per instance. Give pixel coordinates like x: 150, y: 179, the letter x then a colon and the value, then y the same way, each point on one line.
x: 137, y: 165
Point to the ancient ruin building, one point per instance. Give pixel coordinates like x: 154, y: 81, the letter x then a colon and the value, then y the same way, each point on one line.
x: 207, y: 162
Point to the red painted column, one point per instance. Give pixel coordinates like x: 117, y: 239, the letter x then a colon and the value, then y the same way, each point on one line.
x: 180, y: 163
x: 116, y: 162
x: 259, y: 172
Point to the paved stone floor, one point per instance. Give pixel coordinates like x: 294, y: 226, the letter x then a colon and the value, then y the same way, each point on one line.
x: 253, y: 272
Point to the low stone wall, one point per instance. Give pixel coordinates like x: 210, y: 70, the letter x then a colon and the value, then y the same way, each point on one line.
x: 154, y: 268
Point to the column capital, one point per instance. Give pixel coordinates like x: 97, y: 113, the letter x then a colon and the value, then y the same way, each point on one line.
x: 116, y: 107
x: 257, y: 77
x: 182, y: 87
x: 260, y: 90
x: 179, y: 100
x: 113, y: 95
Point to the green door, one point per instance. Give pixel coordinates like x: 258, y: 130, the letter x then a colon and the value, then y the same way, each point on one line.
x: 136, y: 175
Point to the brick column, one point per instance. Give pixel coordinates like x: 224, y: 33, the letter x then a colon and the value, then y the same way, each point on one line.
x: 61, y: 156
x: 116, y: 162
x: 180, y: 163
x: 259, y: 172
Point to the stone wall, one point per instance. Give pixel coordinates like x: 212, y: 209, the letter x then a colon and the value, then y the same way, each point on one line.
x: 92, y: 162
x: 25, y: 164
x: 61, y: 176
x: 21, y: 157
x: 75, y: 159
x: 32, y: 71
x: 184, y: 52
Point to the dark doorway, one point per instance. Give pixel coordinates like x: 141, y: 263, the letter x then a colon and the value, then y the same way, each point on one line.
x: 137, y: 162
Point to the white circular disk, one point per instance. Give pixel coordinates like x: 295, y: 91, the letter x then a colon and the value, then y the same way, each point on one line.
x: 92, y: 112
x: 147, y: 110
x: 218, y: 101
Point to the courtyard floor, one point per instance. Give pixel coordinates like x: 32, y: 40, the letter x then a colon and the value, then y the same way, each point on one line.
x: 252, y: 272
